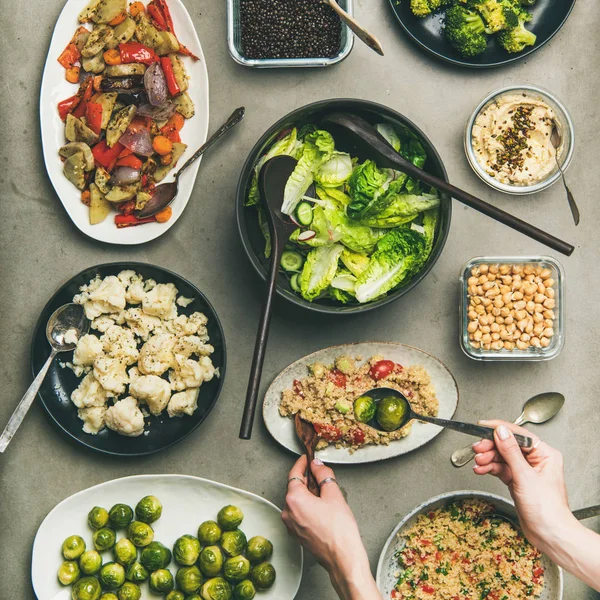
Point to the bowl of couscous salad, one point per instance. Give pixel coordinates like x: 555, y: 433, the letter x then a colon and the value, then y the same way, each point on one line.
x: 457, y: 546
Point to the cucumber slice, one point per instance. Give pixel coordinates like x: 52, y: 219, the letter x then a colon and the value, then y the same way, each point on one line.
x: 295, y: 282
x: 291, y: 260
x: 304, y: 213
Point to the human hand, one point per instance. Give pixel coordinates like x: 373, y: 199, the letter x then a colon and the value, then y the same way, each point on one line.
x: 327, y: 528
x: 535, y: 479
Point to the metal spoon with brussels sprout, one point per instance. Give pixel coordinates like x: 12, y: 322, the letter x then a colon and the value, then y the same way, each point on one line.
x: 387, y: 409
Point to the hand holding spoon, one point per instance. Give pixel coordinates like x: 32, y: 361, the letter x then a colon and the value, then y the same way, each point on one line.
x: 556, y: 141
x: 308, y: 437
x: 539, y: 409
x: 66, y: 325
x: 394, y: 412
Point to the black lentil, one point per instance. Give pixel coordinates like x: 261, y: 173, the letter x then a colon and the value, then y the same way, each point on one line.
x: 289, y: 29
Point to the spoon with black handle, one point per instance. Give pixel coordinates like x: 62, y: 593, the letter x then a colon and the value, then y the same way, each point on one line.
x: 165, y: 193
x: 355, y: 135
x: 271, y: 184
x: 394, y: 412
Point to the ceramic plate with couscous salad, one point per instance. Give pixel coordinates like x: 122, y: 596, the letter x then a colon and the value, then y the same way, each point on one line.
x: 323, y: 386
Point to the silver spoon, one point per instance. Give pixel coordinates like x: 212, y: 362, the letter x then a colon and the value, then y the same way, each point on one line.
x: 66, y: 325
x: 556, y: 141
x: 398, y: 413
x: 165, y: 193
x: 539, y: 409
x: 361, y: 33
x: 580, y: 514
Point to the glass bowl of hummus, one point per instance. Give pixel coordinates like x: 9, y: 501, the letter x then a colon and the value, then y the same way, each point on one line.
x: 508, y: 139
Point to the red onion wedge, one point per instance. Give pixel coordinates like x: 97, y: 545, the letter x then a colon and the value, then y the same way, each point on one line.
x: 139, y: 142
x: 158, y: 113
x: 156, y: 85
x: 125, y: 176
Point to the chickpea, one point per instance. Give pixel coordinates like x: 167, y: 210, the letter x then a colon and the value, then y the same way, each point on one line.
x: 472, y: 315
x: 522, y: 345
x: 509, y: 320
x: 504, y: 335
x: 487, y: 346
x: 545, y: 342
x: 537, y: 271
x: 520, y: 314
x: 535, y: 342
x: 549, y: 303
x: 471, y: 337
x: 504, y: 311
x: 550, y: 292
x: 528, y: 270
x: 494, y: 327
x: 475, y: 272
x: 541, y: 288
x: 494, y: 269
x: 504, y: 269
x: 516, y: 296
x: 472, y: 327
x: 548, y: 332
x: 489, y: 308
x: 480, y: 309
x: 497, y: 345
x: 487, y: 338
x: 549, y: 283
x: 495, y: 337
x: 548, y: 314
x: 498, y: 302
x: 539, y: 298
x: 477, y: 336
x: 509, y: 305
x: 509, y: 345
x: 476, y: 345
x: 537, y: 317
x: 484, y: 268
x: 480, y: 290
x: 548, y: 323
x: 546, y: 273
x: 539, y: 307
x: 500, y: 320
x: 517, y: 269
x: 482, y: 278
x: 492, y: 293
x: 473, y: 290
x: 531, y: 289
x: 522, y: 324
x: 516, y: 335
x: 477, y: 300
x: 485, y: 329
x: 486, y: 302
x: 538, y: 329
x: 472, y: 281
x: 525, y: 337
x: 530, y: 307
x: 496, y: 312
x: 488, y: 285
x: 520, y: 305
x: 511, y: 328
x: 529, y: 327
x: 517, y: 285
x: 504, y: 289
x: 506, y: 298
x: 492, y: 276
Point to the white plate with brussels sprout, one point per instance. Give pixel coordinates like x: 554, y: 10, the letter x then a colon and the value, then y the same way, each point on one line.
x: 179, y: 536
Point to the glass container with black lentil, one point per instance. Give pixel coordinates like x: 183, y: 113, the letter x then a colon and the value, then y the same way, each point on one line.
x: 289, y: 29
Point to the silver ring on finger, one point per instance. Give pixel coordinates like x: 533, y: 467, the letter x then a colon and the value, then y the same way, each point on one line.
x: 327, y: 480
x: 300, y: 479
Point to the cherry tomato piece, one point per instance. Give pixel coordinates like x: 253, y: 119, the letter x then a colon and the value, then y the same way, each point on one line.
x: 338, y: 378
x: 329, y: 433
x: 381, y: 369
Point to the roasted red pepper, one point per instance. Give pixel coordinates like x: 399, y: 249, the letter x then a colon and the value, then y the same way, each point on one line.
x: 70, y: 55
x: 126, y: 207
x: 166, y: 13
x: 131, y: 220
x: 86, y: 91
x: 129, y: 161
x: 67, y: 106
x: 93, y: 116
x: 157, y: 17
x: 167, y: 67
x: 105, y: 156
x: 161, y: 17
x: 134, y: 52
x: 171, y: 133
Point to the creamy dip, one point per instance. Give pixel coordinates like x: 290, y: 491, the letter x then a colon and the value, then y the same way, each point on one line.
x: 511, y: 140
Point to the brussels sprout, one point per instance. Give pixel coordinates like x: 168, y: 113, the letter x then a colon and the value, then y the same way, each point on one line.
x: 233, y: 542
x: 390, y: 413
x: 137, y: 573
x: 120, y: 515
x: 125, y: 552
x: 109, y: 596
x: 73, y: 547
x: 104, y: 539
x: 244, y: 590
x: 155, y: 556
x: 98, y: 517
x: 216, y: 589
x: 188, y: 579
x: 161, y: 581
x: 90, y: 562
x: 259, y: 549
x: 211, y: 561
x: 69, y: 572
x: 209, y: 533
x: 148, y: 509
x: 112, y: 575
x: 230, y: 518
x: 141, y: 534
x: 186, y: 550
x: 194, y: 597
x: 364, y: 409
x: 263, y: 576
x: 129, y: 591
x: 87, y: 588
x: 236, y: 568
x: 175, y: 595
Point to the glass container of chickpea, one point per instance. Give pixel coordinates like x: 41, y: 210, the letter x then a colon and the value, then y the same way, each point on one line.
x: 512, y: 308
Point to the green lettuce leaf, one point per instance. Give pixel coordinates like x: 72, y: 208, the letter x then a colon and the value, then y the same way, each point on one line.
x: 389, y: 133
x: 344, y: 280
x: 319, y: 270
x: 398, y: 255
x: 403, y: 208
x: 341, y: 295
x: 353, y: 235
x: 355, y: 262
x: 430, y: 218
x: 366, y: 184
x: 320, y: 225
x: 336, y: 171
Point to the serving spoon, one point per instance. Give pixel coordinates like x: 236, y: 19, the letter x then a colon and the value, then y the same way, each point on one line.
x: 556, y: 141
x: 539, y: 409
x: 361, y: 33
x: 271, y: 184
x: 355, y: 135
x: 165, y: 193
x: 308, y: 437
x: 408, y: 414
x: 68, y: 319
x: 580, y: 514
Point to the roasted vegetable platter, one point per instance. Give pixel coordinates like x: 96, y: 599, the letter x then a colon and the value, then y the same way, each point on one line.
x: 124, y: 100
x: 186, y: 503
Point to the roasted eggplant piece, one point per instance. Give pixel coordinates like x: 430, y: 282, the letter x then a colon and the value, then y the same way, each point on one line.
x: 122, y: 85
x: 137, y: 98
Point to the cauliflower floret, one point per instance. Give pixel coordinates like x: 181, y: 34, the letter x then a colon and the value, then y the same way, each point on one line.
x: 126, y: 276
x: 183, y: 301
x: 89, y: 393
x: 142, y: 324
x: 152, y: 390
x: 102, y: 323
x: 111, y: 374
x: 87, y: 350
x: 208, y: 369
x: 120, y: 343
x: 160, y: 301
x: 102, y: 296
x: 79, y: 370
x: 135, y: 290
x: 133, y: 373
x: 181, y: 325
x: 187, y: 374
x: 156, y: 355
x: 125, y: 417
x: 192, y: 344
x: 93, y: 419
x: 183, y: 403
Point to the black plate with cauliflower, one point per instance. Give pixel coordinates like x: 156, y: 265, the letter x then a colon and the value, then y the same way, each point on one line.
x: 547, y: 18
x: 160, y: 431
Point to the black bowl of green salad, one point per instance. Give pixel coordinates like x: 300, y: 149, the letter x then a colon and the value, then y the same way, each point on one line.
x: 366, y: 236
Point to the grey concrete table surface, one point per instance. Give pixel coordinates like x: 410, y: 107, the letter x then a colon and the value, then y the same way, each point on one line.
x: 41, y: 249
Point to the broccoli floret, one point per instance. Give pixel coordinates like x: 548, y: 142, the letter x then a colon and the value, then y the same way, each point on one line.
x: 465, y: 30
x: 423, y: 8
x: 516, y: 39
x: 527, y: 2
x: 498, y: 14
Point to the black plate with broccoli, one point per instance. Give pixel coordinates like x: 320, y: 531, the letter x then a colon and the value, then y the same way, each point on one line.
x: 481, y: 33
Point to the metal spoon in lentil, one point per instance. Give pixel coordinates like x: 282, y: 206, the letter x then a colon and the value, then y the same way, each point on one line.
x: 361, y: 33
x: 556, y: 140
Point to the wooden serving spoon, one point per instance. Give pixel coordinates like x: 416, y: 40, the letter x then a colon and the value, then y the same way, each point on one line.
x: 308, y: 436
